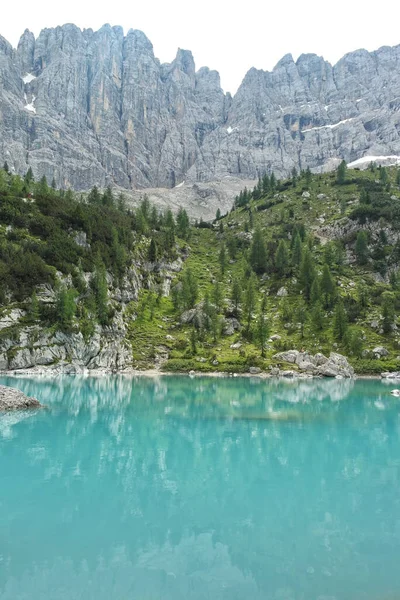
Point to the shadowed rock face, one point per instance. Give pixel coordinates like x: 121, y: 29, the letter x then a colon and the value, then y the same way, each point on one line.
x: 13, y: 399
x: 98, y: 108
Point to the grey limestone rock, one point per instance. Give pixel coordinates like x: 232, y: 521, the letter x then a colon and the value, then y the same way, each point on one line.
x: 13, y: 399
x: 97, y: 108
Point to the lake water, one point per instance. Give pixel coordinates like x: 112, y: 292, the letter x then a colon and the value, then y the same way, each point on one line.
x: 179, y: 489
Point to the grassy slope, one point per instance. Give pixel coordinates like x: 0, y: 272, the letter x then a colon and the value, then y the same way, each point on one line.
x: 147, y: 335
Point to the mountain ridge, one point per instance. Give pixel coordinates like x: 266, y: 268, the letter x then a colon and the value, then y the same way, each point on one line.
x: 98, y: 108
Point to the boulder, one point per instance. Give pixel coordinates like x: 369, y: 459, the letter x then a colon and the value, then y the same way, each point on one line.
x: 320, y: 359
x: 393, y: 375
x: 254, y: 370
x: 13, y: 399
x: 380, y: 352
x: 289, y: 356
x: 282, y: 292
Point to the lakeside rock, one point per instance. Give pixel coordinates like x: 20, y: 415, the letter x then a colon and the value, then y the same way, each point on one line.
x: 336, y: 365
x: 13, y: 399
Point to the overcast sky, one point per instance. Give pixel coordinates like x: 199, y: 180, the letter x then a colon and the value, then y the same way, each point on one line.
x: 228, y: 36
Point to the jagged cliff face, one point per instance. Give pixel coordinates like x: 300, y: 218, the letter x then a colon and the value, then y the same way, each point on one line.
x: 98, y: 108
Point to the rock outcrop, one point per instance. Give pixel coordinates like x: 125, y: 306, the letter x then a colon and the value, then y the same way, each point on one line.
x: 97, y: 107
x: 336, y: 365
x: 13, y: 399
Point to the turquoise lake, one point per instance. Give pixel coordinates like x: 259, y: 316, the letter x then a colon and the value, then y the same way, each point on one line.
x: 177, y: 489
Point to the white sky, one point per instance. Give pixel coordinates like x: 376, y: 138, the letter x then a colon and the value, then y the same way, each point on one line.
x: 223, y: 35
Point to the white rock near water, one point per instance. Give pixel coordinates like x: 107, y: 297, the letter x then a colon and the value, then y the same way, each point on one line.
x: 336, y: 365
x: 13, y: 399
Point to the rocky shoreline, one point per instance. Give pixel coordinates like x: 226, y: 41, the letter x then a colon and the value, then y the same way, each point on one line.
x: 13, y: 399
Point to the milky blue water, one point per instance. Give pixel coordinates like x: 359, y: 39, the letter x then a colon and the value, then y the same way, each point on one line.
x: 179, y: 489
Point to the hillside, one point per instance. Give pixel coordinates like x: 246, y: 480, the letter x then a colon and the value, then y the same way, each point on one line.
x: 97, y: 108
x: 308, y: 263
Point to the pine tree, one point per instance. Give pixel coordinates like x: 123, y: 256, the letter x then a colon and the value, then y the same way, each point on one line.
x: 217, y: 296
x: 265, y: 184
x: 340, y: 321
x: 361, y: 248
x: 258, y: 253
x: 152, y: 254
x: 364, y: 196
x: 307, y: 272
x: 218, y: 214
x: 189, y: 289
x: 65, y: 307
x: 249, y: 301
x: 42, y: 188
x: 272, y: 182
x: 222, y: 258
x: 236, y: 295
x: 53, y: 184
x: 29, y: 176
x: 33, y: 310
x: 282, y: 259
x: 308, y: 176
x: 182, y: 224
x: 383, y: 175
x: 315, y: 292
x: 398, y: 177
x: 262, y: 326
x: 94, y: 196
x: 341, y: 173
x: 231, y: 245
x: 108, y: 197
x: 297, y: 251
x: 328, y: 287
x: 317, y: 316
x: 100, y: 291
x: 5, y: 167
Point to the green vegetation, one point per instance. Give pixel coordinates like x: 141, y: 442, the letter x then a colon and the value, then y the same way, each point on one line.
x: 308, y: 262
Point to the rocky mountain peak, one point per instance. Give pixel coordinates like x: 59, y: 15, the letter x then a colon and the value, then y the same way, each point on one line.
x: 97, y: 107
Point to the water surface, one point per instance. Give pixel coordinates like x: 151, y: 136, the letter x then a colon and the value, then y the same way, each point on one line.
x: 191, y: 489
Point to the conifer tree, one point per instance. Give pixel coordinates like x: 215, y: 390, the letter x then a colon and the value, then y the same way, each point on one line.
x: 189, y: 289
x: 297, y: 251
x: 258, y: 253
x: 152, y: 254
x: 182, y: 223
x: 315, y: 292
x: 328, y: 287
x: 33, y: 310
x: 217, y: 296
x: 282, y: 259
x: 100, y: 291
x: 65, y: 307
x: 317, y: 316
x: 249, y: 301
x: 307, y: 272
x: 262, y: 326
x: 361, y: 248
x: 29, y: 176
x: 340, y: 321
x: 236, y: 295
x: 341, y: 173
x: 222, y: 258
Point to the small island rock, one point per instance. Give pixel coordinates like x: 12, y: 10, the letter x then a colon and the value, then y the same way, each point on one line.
x: 13, y: 399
